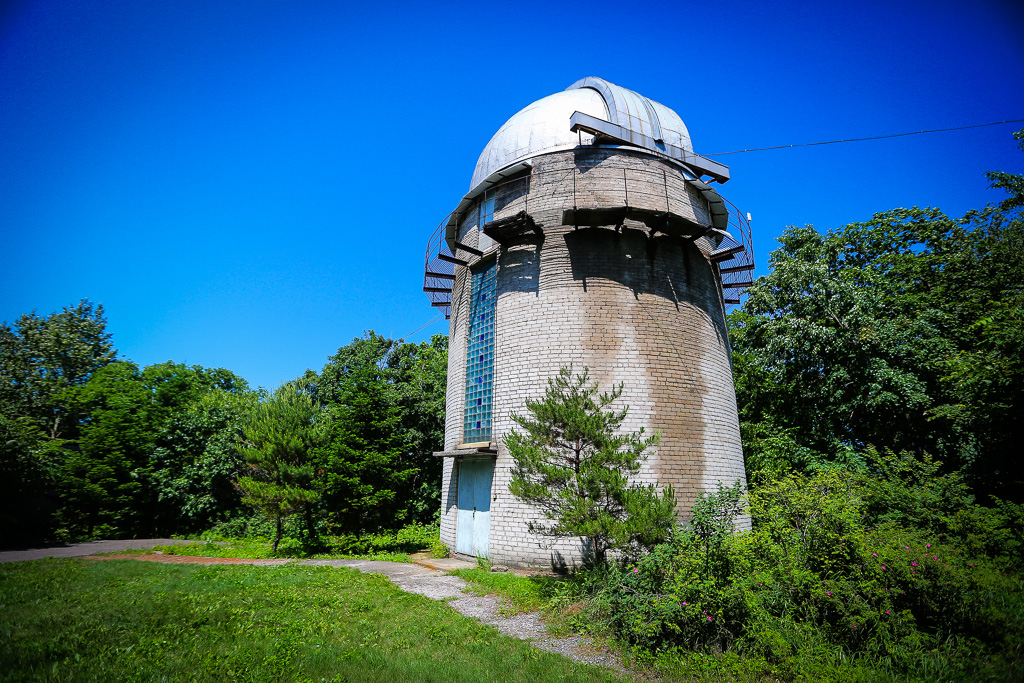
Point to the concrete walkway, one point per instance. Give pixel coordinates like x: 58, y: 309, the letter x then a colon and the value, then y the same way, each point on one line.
x: 83, y: 549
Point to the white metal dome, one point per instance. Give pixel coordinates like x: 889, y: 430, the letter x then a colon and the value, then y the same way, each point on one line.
x: 543, y: 126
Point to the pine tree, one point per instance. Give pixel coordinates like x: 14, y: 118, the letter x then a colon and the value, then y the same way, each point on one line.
x: 279, y: 437
x: 573, y: 465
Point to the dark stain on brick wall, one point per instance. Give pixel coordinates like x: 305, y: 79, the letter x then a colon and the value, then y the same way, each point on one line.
x: 634, y: 307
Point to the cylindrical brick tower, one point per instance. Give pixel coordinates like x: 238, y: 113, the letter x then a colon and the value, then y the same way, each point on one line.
x: 591, y: 236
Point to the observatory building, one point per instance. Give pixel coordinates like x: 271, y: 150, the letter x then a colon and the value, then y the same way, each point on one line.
x: 592, y: 235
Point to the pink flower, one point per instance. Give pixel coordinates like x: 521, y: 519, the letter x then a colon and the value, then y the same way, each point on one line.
x: 912, y: 564
x: 709, y: 618
x: 684, y: 603
x: 828, y: 593
x: 635, y: 571
x: 906, y: 547
x: 886, y: 611
x: 874, y: 554
x: 883, y: 567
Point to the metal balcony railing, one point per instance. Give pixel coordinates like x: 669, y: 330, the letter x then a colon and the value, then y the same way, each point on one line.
x: 439, y: 270
x: 735, y: 256
x: 648, y: 195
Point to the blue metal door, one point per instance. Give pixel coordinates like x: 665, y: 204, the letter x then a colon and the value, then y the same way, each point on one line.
x: 474, y: 522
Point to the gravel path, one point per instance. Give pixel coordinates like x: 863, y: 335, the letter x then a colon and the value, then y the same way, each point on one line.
x: 413, y: 578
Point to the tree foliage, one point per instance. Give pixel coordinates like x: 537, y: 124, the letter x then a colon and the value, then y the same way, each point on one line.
x: 280, y: 434
x: 195, y: 460
x: 93, y: 446
x: 101, y: 473
x: 572, y: 463
x: 904, y: 332
x: 41, y: 358
x: 365, y: 473
x: 112, y: 479
x: 27, y: 503
x: 385, y: 400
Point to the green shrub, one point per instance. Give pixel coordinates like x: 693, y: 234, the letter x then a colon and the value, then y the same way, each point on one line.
x: 290, y: 547
x: 389, y: 545
x: 411, y: 538
x: 416, y: 534
x: 252, y: 526
x: 815, y: 582
x: 914, y: 492
x: 438, y: 549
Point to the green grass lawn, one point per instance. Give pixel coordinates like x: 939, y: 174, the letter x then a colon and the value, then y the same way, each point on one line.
x: 78, y: 620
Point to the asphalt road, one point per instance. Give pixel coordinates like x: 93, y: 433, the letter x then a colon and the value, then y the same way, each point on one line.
x: 83, y: 549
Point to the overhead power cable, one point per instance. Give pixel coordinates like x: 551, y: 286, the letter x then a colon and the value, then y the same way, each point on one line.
x: 436, y: 319
x: 874, y: 137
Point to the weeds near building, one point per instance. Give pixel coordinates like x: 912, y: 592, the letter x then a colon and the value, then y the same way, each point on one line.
x: 822, y: 584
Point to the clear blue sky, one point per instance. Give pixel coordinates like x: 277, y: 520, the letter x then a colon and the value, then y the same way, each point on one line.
x: 250, y: 185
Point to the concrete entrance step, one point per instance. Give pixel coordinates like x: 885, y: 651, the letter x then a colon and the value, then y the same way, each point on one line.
x: 444, y: 564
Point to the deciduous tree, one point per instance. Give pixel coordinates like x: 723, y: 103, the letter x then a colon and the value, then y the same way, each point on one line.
x: 904, y: 332
x: 196, y: 461
x: 385, y: 400
x: 40, y: 358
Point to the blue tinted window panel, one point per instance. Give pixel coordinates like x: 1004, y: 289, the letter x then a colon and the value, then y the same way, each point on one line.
x: 480, y: 356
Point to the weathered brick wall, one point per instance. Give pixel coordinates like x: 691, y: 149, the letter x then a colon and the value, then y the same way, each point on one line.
x: 454, y: 401
x: 643, y: 311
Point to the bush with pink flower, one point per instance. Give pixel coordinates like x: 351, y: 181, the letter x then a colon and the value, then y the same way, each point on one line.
x: 818, y: 579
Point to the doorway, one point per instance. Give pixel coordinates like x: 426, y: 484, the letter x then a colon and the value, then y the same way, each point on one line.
x: 474, y: 516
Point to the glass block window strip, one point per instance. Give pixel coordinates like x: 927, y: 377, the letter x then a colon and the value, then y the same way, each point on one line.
x: 480, y: 356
